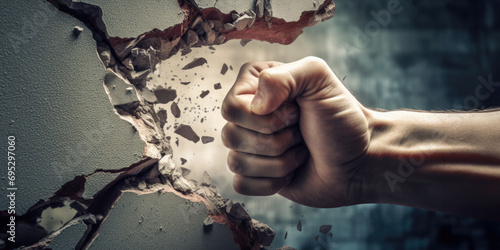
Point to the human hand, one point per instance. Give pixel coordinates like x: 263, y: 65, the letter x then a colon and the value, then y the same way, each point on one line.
x: 294, y: 129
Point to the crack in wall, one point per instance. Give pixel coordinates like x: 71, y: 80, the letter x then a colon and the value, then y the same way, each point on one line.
x: 130, y: 63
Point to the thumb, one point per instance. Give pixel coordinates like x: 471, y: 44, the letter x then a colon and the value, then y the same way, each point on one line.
x: 287, y: 82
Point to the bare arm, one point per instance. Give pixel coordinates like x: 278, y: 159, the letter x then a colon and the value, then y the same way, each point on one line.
x: 295, y: 130
x: 448, y: 162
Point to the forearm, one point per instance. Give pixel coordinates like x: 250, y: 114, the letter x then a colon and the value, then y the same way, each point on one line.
x: 448, y: 162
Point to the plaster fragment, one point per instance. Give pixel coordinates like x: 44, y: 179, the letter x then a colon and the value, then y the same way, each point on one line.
x: 187, y: 132
x: 224, y: 69
x: 206, y: 179
x: 77, y: 30
x: 195, y: 63
x: 165, y: 95
x: 162, y: 115
x: 174, y: 108
x: 244, y: 42
x: 204, y: 93
x: 207, y: 139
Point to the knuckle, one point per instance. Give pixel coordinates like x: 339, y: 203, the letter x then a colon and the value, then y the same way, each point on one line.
x: 234, y: 162
x: 227, y: 137
x: 239, y: 184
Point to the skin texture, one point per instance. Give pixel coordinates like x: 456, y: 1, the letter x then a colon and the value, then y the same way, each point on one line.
x: 294, y: 129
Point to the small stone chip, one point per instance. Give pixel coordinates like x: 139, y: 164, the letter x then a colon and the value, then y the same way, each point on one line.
x: 77, y: 30
x: 183, y: 161
x: 224, y: 69
x: 162, y: 114
x: 165, y: 95
x: 207, y: 139
x: 316, y: 237
x: 204, y: 93
x: 206, y: 179
x: 217, y: 86
x: 187, y: 132
x: 299, y: 226
x: 207, y: 224
x: 174, y: 108
x: 330, y: 235
x: 324, y: 229
x: 195, y: 63
x: 185, y: 83
x: 286, y: 234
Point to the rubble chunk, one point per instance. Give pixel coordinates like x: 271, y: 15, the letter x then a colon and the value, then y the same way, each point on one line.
x: 165, y: 95
x: 217, y: 86
x: 207, y: 139
x: 187, y: 132
x: 299, y: 226
x: 330, y: 235
x: 162, y: 115
x: 224, y: 69
x: 183, y: 161
x: 77, y: 30
x: 206, y: 179
x: 204, y: 93
x: 174, y: 108
x: 195, y: 63
x: 207, y: 224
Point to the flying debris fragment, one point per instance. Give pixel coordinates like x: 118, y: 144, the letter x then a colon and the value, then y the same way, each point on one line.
x: 187, y: 132
x: 195, y: 63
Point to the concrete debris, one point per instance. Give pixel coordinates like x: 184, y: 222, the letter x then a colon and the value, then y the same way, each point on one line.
x: 185, y: 171
x: 224, y: 69
x: 299, y: 226
x: 207, y: 139
x: 183, y: 161
x: 148, y: 95
x: 217, y: 86
x: 190, y: 38
x: 285, y: 247
x: 259, y: 8
x: 77, y: 30
x: 244, y: 42
x: 268, y: 12
x: 204, y: 93
x: 207, y: 224
x: 195, y: 63
x: 162, y: 115
x: 228, y: 26
x: 174, y: 108
x: 265, y: 234
x: 187, y: 132
x: 324, y: 229
x: 165, y: 95
x: 119, y: 90
x: 206, y: 179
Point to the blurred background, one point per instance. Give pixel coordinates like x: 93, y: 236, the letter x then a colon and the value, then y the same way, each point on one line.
x: 431, y: 55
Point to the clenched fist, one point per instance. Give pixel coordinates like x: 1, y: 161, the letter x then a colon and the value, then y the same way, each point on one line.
x: 295, y: 130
